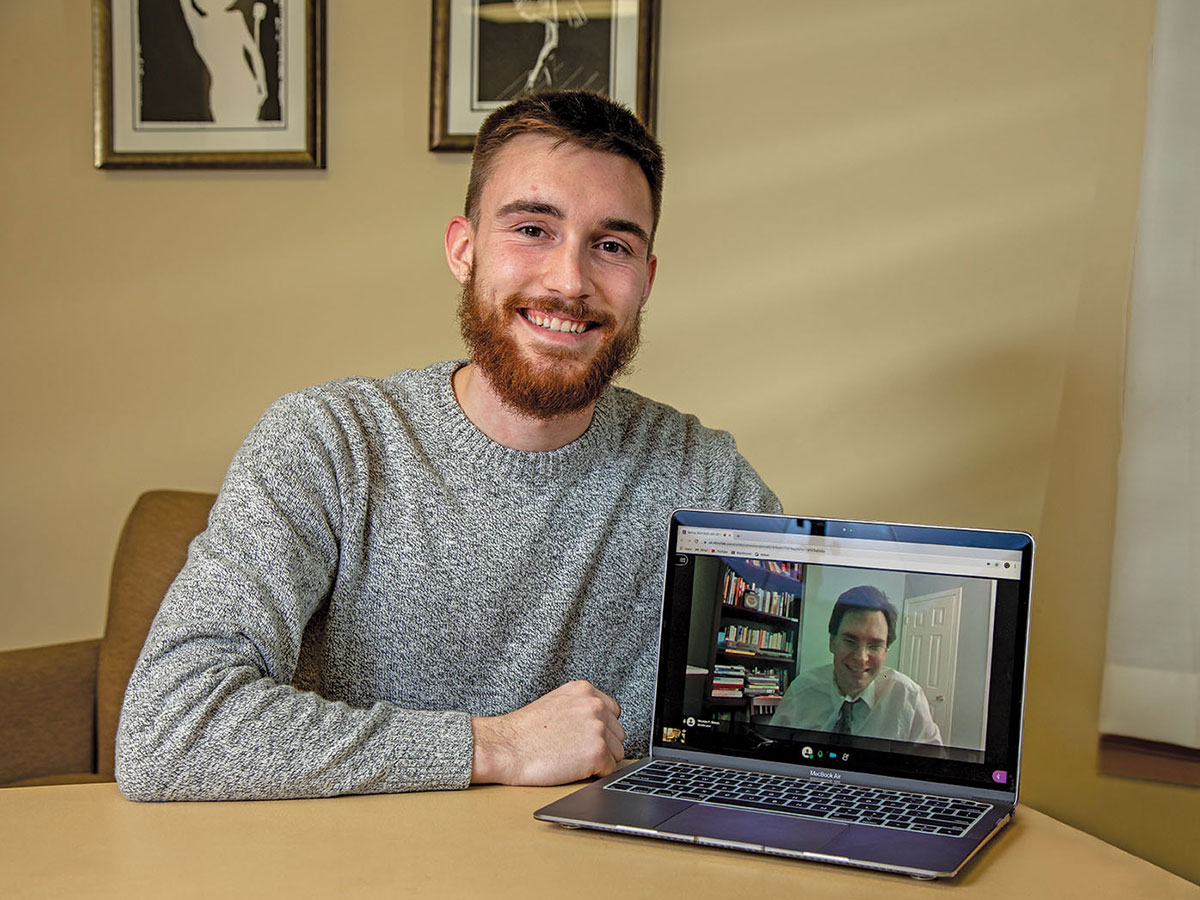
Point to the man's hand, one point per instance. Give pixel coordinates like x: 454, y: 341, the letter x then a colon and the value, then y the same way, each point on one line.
x: 564, y: 736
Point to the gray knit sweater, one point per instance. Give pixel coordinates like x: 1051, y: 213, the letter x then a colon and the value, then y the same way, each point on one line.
x: 376, y: 570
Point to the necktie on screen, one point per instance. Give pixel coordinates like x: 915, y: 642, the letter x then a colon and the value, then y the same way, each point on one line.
x: 845, y: 717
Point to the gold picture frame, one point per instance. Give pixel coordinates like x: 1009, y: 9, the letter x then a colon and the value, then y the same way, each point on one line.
x: 209, y: 83
x: 487, y: 52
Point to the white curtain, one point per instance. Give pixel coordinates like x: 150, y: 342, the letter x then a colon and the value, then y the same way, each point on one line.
x: 1152, y: 672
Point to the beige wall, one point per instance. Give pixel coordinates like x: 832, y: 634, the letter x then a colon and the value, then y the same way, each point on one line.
x: 894, y: 260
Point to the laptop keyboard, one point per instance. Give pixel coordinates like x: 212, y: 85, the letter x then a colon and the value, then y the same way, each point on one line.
x: 803, y: 797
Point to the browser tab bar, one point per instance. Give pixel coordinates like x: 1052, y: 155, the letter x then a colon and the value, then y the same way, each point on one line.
x: 854, y: 552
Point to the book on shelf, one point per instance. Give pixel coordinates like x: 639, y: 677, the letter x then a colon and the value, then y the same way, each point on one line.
x: 740, y: 595
x: 734, y: 638
x: 762, y: 682
x: 751, y: 586
x: 729, y: 681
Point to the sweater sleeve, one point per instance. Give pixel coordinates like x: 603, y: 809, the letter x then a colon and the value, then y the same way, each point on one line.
x: 210, y: 712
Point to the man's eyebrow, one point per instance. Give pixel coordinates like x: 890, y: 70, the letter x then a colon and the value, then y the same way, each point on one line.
x: 625, y: 226
x: 534, y: 207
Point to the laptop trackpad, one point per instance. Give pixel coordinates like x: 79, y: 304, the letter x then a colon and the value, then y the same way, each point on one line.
x: 755, y: 828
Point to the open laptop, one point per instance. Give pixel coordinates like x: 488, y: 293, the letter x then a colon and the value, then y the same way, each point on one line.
x: 756, y: 743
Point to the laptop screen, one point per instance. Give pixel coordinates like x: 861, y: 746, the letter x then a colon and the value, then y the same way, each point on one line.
x: 887, y: 650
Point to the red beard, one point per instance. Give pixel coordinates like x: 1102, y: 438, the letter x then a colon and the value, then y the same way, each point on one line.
x: 558, y: 383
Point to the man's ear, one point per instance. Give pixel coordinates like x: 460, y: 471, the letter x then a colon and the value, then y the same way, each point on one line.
x: 651, y: 270
x: 460, y: 246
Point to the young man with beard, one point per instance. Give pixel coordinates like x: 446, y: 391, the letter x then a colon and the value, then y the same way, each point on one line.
x: 450, y: 575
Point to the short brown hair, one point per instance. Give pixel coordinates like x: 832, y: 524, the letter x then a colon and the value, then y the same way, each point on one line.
x: 578, y: 117
x: 863, y: 598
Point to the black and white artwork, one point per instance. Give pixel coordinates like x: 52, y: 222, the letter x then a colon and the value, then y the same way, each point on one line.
x: 210, y: 63
x: 210, y: 82
x: 530, y: 45
x: 489, y: 52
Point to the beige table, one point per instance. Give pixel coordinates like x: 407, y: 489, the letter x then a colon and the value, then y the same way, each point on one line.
x: 88, y: 841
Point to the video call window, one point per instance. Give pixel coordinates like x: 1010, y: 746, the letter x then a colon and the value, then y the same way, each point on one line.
x: 761, y: 658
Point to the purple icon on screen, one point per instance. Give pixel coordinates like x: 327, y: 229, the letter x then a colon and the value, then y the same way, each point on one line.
x: 1000, y: 776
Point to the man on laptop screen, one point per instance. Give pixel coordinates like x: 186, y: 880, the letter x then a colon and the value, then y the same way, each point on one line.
x: 857, y: 693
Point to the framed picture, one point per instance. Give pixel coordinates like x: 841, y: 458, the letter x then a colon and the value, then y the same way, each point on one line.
x: 209, y: 83
x: 488, y: 52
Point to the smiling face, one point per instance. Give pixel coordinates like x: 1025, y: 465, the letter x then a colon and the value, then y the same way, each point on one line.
x: 859, y: 649
x: 554, y: 273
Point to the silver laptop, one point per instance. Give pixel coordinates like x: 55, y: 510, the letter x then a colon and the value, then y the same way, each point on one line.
x: 830, y: 690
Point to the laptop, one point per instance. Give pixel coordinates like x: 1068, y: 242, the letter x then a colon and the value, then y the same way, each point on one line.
x: 772, y: 628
